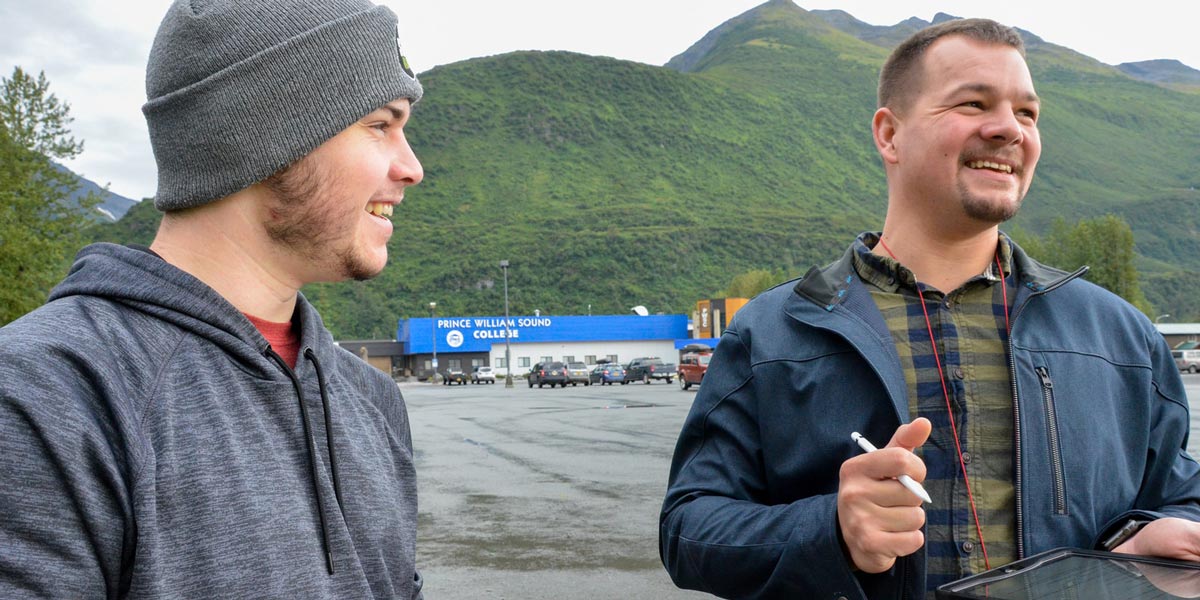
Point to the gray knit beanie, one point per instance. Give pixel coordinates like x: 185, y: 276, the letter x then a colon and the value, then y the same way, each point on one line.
x: 238, y: 89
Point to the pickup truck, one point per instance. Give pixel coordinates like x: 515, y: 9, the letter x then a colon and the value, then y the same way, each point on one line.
x: 648, y: 368
x: 692, y: 366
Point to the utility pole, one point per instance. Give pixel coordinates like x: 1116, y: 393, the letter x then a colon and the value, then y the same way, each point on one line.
x: 507, y: 334
x: 433, y: 326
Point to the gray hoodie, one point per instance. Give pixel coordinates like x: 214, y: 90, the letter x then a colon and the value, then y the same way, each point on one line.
x: 153, y: 446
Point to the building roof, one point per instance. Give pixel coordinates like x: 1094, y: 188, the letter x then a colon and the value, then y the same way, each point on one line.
x: 1178, y: 328
x: 374, y: 347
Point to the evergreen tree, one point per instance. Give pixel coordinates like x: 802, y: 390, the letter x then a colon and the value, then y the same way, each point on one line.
x: 39, y: 225
x: 753, y: 283
x: 1104, y: 244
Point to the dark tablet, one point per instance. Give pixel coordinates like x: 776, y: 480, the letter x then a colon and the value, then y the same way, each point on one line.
x: 1083, y: 574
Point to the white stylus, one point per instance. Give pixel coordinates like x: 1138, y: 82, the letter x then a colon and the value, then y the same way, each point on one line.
x: 904, y: 480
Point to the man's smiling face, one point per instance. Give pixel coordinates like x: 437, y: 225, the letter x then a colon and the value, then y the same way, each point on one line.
x: 330, y: 212
x: 968, y: 142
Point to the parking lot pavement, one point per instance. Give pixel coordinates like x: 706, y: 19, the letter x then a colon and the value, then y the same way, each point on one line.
x: 553, y: 493
x: 543, y: 493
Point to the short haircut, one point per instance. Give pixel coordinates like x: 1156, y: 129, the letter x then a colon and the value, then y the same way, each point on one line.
x: 900, y: 79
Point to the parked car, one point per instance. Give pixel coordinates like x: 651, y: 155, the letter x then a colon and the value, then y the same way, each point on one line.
x: 693, y: 365
x: 649, y: 368
x: 483, y: 375
x: 454, y: 376
x: 608, y: 374
x: 553, y: 373
x: 577, y: 373
x: 1187, y: 360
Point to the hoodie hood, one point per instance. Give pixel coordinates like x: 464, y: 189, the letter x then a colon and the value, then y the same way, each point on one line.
x: 197, y: 453
x: 142, y: 281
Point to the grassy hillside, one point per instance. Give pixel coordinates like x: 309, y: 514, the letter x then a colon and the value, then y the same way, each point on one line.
x: 610, y: 183
x: 613, y: 184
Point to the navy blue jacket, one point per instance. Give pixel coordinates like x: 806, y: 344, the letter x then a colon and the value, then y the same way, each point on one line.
x: 750, y: 510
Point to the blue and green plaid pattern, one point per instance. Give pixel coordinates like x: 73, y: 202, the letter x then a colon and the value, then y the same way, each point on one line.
x: 969, y: 326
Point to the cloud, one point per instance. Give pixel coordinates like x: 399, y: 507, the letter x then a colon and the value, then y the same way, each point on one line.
x: 64, y: 38
x: 94, y: 55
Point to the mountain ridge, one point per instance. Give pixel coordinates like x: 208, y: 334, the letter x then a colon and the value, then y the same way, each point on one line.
x: 1167, y: 72
x: 111, y: 206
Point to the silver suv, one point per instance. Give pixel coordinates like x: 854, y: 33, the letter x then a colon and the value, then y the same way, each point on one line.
x: 1187, y: 360
x: 483, y: 375
x: 577, y: 373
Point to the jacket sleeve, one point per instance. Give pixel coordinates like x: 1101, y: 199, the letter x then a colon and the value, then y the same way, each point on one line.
x: 1171, y: 485
x: 63, y: 503
x: 719, y: 531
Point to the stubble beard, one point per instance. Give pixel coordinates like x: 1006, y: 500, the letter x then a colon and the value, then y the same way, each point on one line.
x: 305, y: 220
x: 986, y: 207
x: 988, y: 210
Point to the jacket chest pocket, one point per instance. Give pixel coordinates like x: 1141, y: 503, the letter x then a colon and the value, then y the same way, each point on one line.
x: 1053, y: 441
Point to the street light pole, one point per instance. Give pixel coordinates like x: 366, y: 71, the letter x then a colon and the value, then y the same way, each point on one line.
x: 507, y: 334
x: 1156, y: 319
x: 433, y: 326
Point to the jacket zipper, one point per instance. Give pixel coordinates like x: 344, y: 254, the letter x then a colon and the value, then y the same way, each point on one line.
x: 1060, y: 494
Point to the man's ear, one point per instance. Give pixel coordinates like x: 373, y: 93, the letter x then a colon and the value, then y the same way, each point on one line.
x: 883, y: 128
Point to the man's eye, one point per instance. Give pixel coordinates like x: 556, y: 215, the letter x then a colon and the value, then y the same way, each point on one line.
x: 973, y: 104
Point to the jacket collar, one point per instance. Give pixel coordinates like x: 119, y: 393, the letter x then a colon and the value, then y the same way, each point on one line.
x: 830, y: 285
x: 833, y: 298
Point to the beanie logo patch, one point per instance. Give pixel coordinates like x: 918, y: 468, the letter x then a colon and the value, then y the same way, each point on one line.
x: 404, y: 64
x: 404, y: 59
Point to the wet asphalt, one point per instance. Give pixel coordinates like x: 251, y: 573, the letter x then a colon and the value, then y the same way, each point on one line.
x: 543, y: 493
x: 553, y: 493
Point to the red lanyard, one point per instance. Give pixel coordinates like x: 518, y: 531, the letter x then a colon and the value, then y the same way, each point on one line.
x: 946, y: 392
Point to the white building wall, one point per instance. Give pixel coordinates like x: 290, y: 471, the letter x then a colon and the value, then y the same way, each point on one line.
x: 625, y: 351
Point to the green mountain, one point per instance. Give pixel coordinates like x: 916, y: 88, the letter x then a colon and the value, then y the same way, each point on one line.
x: 609, y: 184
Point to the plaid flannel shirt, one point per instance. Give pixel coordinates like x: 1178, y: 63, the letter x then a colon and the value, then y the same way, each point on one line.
x: 969, y: 326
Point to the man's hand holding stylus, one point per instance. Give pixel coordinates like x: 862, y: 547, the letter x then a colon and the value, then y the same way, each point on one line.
x: 880, y: 519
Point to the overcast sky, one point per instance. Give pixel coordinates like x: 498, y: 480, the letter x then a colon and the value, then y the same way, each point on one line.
x: 94, y: 53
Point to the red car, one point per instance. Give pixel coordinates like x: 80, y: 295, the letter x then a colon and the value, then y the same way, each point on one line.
x: 692, y: 365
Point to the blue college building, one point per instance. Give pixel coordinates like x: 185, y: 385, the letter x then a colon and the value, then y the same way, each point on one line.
x: 467, y: 342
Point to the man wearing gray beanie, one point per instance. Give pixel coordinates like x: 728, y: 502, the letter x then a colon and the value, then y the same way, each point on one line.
x: 176, y: 421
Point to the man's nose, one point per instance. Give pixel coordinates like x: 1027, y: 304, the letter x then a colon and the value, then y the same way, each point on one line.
x: 405, y: 167
x: 1003, y: 127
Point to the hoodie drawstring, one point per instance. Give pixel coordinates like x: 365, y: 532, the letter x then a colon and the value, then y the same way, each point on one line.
x: 333, y: 466
x: 312, y: 447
